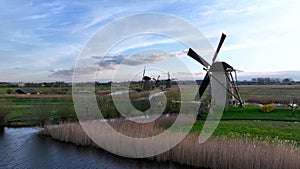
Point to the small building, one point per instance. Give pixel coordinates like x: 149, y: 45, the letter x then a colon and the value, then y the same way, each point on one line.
x: 26, y: 91
x: 108, y: 84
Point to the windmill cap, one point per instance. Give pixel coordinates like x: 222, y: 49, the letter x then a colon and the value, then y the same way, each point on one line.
x: 146, y: 78
x: 221, y: 67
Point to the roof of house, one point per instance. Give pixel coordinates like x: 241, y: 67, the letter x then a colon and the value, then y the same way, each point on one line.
x: 26, y: 90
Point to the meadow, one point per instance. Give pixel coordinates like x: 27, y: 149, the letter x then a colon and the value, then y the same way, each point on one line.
x: 270, y: 93
x: 33, y: 111
x: 29, y: 109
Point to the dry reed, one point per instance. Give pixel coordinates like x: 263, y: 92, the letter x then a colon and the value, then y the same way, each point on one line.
x: 216, y: 153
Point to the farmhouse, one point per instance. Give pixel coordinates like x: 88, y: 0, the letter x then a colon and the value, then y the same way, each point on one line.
x: 26, y: 91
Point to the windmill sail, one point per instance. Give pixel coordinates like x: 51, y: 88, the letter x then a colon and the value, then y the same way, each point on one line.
x: 203, y: 87
x: 219, y: 47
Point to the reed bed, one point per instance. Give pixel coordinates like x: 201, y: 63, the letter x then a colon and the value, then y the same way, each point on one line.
x: 225, y: 153
x: 216, y: 153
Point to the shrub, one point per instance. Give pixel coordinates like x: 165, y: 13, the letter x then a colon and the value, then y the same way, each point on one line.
x: 172, y: 106
x: 9, y: 91
x: 267, y: 108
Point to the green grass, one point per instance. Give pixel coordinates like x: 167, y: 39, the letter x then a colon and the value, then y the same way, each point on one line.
x: 265, y: 130
x: 254, y: 113
x: 25, y: 111
x: 247, y: 122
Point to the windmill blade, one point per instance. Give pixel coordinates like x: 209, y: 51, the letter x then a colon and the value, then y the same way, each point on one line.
x: 158, y: 77
x: 219, y: 47
x: 144, y: 74
x: 198, y: 58
x: 144, y: 71
x: 203, y: 86
x: 168, y: 75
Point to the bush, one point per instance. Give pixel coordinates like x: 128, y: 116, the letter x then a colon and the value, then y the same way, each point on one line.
x: 9, y: 91
x: 172, y: 106
x: 267, y: 108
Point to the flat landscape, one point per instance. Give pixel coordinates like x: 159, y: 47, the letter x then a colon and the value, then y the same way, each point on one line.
x: 248, y: 121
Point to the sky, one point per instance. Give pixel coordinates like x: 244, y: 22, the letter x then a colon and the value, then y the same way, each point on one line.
x: 42, y: 40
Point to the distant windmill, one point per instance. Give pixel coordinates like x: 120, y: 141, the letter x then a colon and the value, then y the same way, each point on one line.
x: 232, y: 87
x: 168, y: 85
x: 146, y: 81
x: 157, y: 81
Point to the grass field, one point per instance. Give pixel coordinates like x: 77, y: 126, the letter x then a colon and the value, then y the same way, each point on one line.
x: 254, y: 113
x: 269, y: 91
x: 246, y: 121
x: 256, y: 130
x: 28, y: 112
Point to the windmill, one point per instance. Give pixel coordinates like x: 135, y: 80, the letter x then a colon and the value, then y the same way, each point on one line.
x: 157, y: 81
x: 232, y: 87
x: 146, y: 81
x: 168, y: 85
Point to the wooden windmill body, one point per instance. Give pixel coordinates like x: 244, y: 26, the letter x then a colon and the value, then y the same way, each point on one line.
x: 215, y: 70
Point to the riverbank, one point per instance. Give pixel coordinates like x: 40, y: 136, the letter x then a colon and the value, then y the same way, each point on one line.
x: 217, y: 152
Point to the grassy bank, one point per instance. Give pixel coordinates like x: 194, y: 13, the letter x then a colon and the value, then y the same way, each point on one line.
x: 269, y: 131
x: 254, y: 113
x: 37, y: 111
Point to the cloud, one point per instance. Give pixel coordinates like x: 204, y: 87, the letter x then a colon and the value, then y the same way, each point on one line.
x: 68, y: 72
x: 143, y: 58
x: 33, y: 17
x: 42, y: 36
x: 143, y: 43
x: 62, y: 72
x: 113, y: 62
